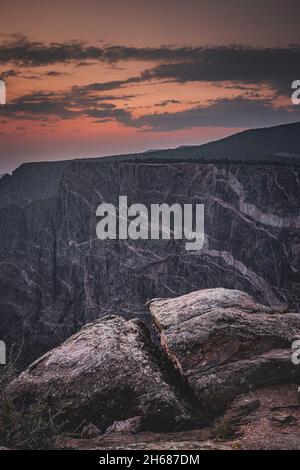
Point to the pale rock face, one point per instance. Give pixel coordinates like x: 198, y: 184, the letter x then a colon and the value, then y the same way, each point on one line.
x: 225, y: 344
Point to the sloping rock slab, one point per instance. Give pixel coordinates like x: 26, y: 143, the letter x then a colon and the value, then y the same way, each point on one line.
x: 109, y: 371
x: 225, y: 344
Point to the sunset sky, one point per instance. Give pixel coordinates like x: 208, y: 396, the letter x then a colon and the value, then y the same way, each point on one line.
x: 94, y: 77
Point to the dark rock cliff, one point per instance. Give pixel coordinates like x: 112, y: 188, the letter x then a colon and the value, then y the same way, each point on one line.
x: 56, y: 275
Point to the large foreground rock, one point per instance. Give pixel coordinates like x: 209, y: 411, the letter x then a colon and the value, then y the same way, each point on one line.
x: 225, y: 344
x: 110, y: 370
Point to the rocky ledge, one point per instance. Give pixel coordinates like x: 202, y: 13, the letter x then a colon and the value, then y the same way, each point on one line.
x: 224, y: 373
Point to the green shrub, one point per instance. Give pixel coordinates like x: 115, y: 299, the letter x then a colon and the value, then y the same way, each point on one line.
x: 30, y: 428
x: 225, y: 431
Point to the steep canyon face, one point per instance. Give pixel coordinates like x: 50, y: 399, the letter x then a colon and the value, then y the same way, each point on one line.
x: 56, y: 275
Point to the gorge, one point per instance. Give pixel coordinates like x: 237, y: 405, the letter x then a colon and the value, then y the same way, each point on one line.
x: 56, y: 275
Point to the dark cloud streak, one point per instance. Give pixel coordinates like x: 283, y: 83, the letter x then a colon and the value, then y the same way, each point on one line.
x: 239, y: 112
x: 233, y: 66
x: 276, y: 66
x: 28, y: 53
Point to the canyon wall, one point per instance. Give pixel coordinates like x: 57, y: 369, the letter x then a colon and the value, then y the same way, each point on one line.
x: 56, y: 275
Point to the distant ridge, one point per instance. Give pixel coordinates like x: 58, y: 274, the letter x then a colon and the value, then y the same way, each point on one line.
x: 279, y: 144
x: 276, y: 145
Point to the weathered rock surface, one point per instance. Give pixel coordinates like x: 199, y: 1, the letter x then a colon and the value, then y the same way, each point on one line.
x: 108, y: 371
x: 225, y: 344
x: 56, y: 275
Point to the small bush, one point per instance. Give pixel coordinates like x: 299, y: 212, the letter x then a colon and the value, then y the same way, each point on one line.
x: 30, y: 428
x: 225, y: 431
